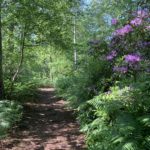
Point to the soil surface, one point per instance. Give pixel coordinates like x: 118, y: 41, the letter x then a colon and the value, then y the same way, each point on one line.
x: 46, y: 125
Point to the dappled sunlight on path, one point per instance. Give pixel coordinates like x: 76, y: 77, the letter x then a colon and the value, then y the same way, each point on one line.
x: 46, y: 125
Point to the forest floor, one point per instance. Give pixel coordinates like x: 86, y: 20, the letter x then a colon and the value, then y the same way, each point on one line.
x: 46, y: 125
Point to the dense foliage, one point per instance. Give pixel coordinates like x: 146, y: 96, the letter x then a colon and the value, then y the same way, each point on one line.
x: 108, y: 81
x: 10, y: 114
x: 111, y: 89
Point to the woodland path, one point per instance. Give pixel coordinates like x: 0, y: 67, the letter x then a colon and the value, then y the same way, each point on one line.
x: 46, y: 125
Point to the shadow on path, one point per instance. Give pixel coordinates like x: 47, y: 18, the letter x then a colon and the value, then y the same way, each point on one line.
x: 46, y: 125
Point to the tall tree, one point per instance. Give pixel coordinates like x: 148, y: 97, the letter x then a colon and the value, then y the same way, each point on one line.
x: 1, y: 57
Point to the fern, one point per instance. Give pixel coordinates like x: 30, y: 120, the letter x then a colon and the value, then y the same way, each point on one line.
x: 10, y: 113
x: 122, y: 120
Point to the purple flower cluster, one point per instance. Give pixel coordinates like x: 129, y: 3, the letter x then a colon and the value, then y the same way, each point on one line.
x: 136, y: 21
x: 143, y: 44
x: 111, y: 55
x: 146, y: 44
x: 147, y: 27
x: 123, y: 31
x: 121, y: 44
x: 142, y: 13
x: 114, y: 21
x: 132, y: 58
x: 120, y: 69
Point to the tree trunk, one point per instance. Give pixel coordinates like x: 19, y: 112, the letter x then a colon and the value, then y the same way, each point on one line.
x: 74, y: 41
x: 1, y: 62
x: 22, y: 43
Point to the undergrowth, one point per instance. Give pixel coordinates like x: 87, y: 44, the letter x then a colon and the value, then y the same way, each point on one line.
x: 10, y: 114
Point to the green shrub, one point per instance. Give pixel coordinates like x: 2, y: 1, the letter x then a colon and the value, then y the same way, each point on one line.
x: 25, y: 92
x: 10, y: 113
x: 84, y: 83
x: 22, y: 91
x: 122, y: 119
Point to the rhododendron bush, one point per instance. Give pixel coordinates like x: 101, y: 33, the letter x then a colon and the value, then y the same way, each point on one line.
x: 129, y: 46
x: 121, y: 114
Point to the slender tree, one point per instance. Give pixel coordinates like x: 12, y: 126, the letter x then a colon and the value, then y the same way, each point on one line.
x: 1, y: 57
x: 22, y: 45
x: 74, y: 42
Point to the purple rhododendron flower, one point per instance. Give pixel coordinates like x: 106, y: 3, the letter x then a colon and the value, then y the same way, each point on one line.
x: 121, y: 69
x: 132, y: 58
x: 136, y: 21
x: 146, y: 44
x: 142, y: 13
x: 114, y: 21
x: 147, y: 27
x: 112, y: 55
x: 122, y: 31
x: 143, y: 44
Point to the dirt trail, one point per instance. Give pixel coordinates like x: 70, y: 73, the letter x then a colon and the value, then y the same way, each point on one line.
x: 46, y: 125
